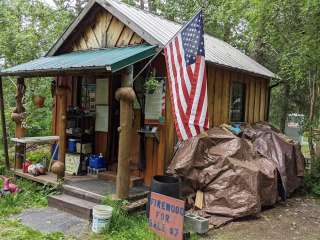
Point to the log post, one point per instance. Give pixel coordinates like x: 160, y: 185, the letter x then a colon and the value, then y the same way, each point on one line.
x: 126, y: 96
x: 4, y: 129
x: 18, y: 116
x: 59, y: 166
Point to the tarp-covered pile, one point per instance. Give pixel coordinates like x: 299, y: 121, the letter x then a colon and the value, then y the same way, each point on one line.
x: 238, y: 175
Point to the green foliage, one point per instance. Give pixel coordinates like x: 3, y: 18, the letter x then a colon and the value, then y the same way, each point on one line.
x: 31, y: 195
x: 126, y: 226
x: 15, y: 230
x: 41, y: 155
x: 151, y: 85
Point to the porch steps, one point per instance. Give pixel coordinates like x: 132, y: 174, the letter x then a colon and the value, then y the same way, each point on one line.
x: 82, y: 194
x: 112, y: 176
x: 73, y: 205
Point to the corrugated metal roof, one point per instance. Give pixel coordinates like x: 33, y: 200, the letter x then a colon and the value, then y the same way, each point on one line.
x: 217, y: 51
x: 111, y: 59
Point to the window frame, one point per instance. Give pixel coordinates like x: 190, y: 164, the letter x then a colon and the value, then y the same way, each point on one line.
x: 243, y: 98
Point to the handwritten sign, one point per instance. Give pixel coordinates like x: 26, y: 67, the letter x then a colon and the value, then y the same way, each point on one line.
x: 166, y: 216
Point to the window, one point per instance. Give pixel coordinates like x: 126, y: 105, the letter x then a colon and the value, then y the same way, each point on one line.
x: 238, y: 99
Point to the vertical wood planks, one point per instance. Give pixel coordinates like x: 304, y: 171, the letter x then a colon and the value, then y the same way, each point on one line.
x: 217, y: 97
x: 225, y: 101
x: 251, y: 99
x: 125, y: 37
x: 257, y: 99
x: 262, y: 100
x: 210, y: 77
x: 136, y: 39
x: 114, y: 32
x: 105, y: 31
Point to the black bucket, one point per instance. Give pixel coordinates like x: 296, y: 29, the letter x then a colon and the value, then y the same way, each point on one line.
x: 165, y: 185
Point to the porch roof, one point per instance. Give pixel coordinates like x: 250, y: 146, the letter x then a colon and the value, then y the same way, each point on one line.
x: 97, y: 60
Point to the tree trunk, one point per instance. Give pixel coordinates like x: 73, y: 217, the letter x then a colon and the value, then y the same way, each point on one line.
x: 142, y: 4
x: 151, y: 6
x: 284, y: 106
x: 311, y: 119
x: 4, y: 129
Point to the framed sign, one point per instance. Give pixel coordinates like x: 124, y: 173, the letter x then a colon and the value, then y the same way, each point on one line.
x: 102, y: 118
x: 154, y: 103
x: 166, y: 216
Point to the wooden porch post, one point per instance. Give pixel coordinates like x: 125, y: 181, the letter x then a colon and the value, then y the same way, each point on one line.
x: 4, y: 129
x: 59, y: 166
x: 126, y: 97
x: 18, y: 116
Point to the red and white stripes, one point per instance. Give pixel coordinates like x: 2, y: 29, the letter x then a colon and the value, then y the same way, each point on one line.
x: 188, y: 90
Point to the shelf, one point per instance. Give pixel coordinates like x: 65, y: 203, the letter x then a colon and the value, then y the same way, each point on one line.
x: 79, y: 135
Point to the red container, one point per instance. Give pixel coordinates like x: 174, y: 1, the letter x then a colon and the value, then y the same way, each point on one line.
x: 25, y: 166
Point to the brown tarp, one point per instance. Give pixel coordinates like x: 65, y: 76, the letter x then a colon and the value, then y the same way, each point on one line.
x: 238, y: 175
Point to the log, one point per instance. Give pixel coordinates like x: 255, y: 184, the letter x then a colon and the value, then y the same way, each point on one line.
x: 126, y: 97
x: 4, y: 129
x: 59, y: 166
x: 20, y: 130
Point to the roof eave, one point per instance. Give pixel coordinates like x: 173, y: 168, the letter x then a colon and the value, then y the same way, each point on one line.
x: 59, y: 72
x: 128, y: 22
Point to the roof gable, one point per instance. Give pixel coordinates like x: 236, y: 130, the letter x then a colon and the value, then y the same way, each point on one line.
x: 156, y: 30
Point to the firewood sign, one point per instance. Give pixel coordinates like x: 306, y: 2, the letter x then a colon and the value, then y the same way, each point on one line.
x: 166, y: 216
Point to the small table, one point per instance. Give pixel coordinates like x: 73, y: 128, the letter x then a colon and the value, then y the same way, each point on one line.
x: 31, y: 140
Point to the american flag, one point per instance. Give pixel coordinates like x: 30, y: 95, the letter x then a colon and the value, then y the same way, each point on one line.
x: 185, y: 59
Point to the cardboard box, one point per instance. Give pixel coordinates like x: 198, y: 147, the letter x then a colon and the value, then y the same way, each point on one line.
x: 86, y: 148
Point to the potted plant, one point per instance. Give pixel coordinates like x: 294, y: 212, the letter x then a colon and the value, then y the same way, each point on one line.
x: 151, y: 85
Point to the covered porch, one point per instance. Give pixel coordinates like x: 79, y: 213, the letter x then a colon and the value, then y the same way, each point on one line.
x: 96, y: 105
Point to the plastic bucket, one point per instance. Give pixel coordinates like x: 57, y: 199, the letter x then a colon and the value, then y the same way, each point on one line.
x: 72, y: 145
x: 101, y: 218
x: 165, y: 185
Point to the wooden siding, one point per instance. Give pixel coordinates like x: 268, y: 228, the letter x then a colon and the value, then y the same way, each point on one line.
x: 104, y: 31
x: 219, y: 88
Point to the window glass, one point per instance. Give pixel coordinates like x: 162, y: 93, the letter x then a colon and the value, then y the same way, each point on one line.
x: 237, y: 106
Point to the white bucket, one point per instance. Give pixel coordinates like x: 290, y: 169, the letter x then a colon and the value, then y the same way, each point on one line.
x: 101, y: 218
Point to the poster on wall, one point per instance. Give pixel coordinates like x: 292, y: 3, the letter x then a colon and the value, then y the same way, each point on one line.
x: 102, y: 117
x: 102, y: 91
x: 155, y: 102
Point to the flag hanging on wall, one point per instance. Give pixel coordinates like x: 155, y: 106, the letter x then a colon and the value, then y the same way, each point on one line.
x: 186, y: 69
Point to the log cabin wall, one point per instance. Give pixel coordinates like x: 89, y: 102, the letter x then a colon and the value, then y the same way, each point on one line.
x: 219, y: 89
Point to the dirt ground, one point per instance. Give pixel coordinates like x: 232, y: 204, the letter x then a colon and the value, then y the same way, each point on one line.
x: 296, y: 219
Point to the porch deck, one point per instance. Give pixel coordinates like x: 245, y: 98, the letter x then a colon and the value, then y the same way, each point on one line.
x: 89, y: 184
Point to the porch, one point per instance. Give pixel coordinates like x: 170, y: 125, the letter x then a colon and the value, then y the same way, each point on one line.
x: 87, y: 89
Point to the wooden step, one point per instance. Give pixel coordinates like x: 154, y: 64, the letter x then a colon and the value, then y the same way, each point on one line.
x: 76, y: 206
x: 82, y: 194
x: 112, y: 176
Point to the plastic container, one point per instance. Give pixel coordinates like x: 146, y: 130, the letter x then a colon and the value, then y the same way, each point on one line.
x: 72, y: 145
x: 101, y: 218
x: 97, y: 161
x: 165, y: 185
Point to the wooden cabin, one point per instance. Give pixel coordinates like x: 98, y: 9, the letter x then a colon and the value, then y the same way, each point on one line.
x: 109, y: 43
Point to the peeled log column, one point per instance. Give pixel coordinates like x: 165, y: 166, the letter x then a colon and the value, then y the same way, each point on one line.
x: 126, y: 97
x: 18, y: 116
x: 59, y: 166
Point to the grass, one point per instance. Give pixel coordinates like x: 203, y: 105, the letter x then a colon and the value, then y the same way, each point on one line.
x: 31, y: 196
x: 123, y: 225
